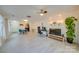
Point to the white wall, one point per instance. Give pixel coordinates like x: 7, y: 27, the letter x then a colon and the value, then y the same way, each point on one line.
x: 77, y: 32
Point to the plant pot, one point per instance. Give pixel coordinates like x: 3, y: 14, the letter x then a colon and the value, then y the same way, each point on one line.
x: 69, y: 40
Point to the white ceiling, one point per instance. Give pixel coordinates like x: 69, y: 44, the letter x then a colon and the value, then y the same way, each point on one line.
x: 21, y: 11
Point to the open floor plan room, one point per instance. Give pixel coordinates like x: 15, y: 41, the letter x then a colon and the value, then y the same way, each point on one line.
x: 39, y: 29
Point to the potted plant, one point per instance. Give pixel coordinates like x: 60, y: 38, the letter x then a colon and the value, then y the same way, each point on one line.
x: 70, y: 25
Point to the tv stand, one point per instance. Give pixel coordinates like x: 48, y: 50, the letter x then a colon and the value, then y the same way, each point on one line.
x: 60, y: 38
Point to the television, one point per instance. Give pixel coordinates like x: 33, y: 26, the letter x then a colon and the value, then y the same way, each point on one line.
x: 55, y: 31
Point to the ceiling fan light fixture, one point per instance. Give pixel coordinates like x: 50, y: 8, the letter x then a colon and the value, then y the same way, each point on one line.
x: 25, y: 20
x: 41, y: 14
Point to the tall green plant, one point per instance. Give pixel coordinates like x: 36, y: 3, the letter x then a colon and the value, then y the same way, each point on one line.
x: 70, y: 25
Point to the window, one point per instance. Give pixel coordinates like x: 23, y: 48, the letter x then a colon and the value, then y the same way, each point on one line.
x: 2, y: 30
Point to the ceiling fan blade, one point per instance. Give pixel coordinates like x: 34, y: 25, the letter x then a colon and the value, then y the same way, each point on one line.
x: 45, y: 11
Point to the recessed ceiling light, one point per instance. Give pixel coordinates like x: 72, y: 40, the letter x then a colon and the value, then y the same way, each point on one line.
x: 26, y: 20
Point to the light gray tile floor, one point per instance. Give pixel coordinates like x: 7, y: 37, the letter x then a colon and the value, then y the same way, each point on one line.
x: 34, y: 43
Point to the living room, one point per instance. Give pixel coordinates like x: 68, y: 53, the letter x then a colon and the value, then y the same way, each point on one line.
x: 44, y: 22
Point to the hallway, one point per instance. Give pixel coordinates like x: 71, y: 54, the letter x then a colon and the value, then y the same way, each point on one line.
x: 34, y: 43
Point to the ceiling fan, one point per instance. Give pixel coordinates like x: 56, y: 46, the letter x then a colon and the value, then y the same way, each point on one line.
x: 42, y: 12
